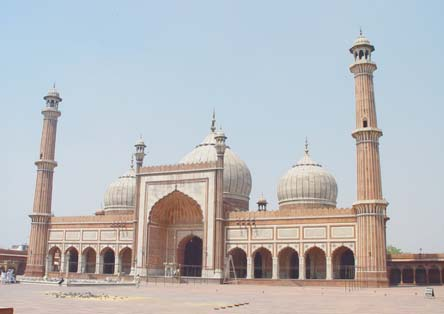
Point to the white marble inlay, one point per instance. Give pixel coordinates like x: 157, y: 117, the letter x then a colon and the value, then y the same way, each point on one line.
x: 72, y: 235
x: 237, y: 234
x: 55, y: 235
x: 265, y: 234
x: 342, y: 232
x: 288, y: 233
x: 315, y: 233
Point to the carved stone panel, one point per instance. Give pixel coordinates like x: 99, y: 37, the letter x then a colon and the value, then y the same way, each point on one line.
x: 72, y: 235
x: 89, y: 235
x: 108, y: 235
x: 342, y: 232
x: 315, y: 232
x: 262, y: 233
x: 126, y: 235
x: 288, y: 233
x: 237, y: 234
x: 55, y: 235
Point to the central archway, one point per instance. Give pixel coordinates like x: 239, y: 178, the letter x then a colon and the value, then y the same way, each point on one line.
x: 190, y: 256
x: 109, y: 260
x: 239, y: 262
x: 168, y: 220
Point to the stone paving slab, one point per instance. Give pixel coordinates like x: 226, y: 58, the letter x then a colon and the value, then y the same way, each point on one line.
x: 202, y: 298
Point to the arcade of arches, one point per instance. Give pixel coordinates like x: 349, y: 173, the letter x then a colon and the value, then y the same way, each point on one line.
x: 89, y: 261
x: 288, y: 264
x: 416, y: 274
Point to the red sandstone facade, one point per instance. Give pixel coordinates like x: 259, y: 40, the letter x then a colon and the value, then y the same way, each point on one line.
x: 192, y: 218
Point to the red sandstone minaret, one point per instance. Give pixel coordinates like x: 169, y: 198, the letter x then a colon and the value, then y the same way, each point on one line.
x: 41, y: 212
x: 370, y: 205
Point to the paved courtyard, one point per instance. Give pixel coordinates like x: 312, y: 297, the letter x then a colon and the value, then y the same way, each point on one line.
x: 209, y: 298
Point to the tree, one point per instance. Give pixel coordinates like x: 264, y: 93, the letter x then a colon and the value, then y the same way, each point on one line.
x: 393, y: 250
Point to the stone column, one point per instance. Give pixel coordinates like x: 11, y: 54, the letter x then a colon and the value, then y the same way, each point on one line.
x: 414, y: 275
x: 80, y: 264
x: 117, y: 265
x: 98, y: 259
x: 249, y: 267
x: 302, y: 268
x: 329, y: 268
x: 402, y: 276
x: 275, y: 274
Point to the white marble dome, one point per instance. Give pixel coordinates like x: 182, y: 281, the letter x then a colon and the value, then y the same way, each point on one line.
x: 121, y: 194
x: 307, y: 184
x: 237, y: 176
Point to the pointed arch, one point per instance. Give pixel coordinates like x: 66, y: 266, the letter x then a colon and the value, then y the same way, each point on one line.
x: 240, y: 261
x: 72, y: 259
x: 108, y: 260
x: 288, y: 263
x: 125, y: 260
x: 343, y: 262
x: 55, y: 259
x: 315, y: 263
x: 89, y: 257
x: 263, y: 263
x: 176, y: 208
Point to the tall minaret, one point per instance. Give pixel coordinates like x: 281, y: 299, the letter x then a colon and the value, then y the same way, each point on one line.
x: 370, y: 205
x: 41, y: 212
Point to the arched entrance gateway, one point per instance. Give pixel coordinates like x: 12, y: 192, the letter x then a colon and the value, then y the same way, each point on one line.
x: 343, y: 261
x: 239, y: 261
x: 175, y: 235
x: 125, y: 261
x: 89, y: 260
x: 54, y: 256
x: 262, y: 263
x: 72, y: 259
x: 315, y: 264
x: 108, y: 261
x: 288, y: 264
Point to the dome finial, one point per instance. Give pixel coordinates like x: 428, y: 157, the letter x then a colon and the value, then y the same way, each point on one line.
x: 360, y: 31
x: 306, y: 146
x: 213, y: 121
x: 132, y: 161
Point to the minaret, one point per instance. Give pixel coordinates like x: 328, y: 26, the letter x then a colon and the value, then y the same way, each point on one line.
x: 41, y: 212
x: 219, y: 216
x: 370, y: 206
x: 140, y: 155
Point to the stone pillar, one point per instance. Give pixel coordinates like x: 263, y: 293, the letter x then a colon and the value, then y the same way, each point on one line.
x: 117, y: 265
x: 98, y: 265
x: 81, y: 264
x: 249, y: 267
x: 302, y: 267
x: 275, y: 274
x: 328, y: 268
x: 402, y: 275
x: 370, y: 206
x: 41, y: 211
x: 414, y: 275
x: 440, y: 275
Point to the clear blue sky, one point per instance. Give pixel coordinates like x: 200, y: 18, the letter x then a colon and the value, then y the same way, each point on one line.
x: 276, y: 72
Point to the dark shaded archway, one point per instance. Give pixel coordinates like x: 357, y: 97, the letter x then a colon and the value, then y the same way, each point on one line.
x: 89, y: 260
x: 421, y: 275
x: 395, y: 276
x: 109, y: 261
x: 55, y: 259
x: 288, y: 264
x: 263, y: 267
x: 240, y: 262
x: 343, y: 263
x: 434, y: 275
x: 190, y: 256
x: 72, y: 258
x: 125, y: 261
x: 407, y: 275
x: 315, y: 264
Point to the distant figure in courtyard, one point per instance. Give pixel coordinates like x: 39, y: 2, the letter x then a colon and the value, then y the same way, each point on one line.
x: 61, y: 281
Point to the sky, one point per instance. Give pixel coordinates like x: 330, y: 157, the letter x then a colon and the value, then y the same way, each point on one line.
x: 274, y: 71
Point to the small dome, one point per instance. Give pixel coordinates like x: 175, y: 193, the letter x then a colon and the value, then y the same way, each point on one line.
x: 362, y: 41
x: 237, y: 176
x: 307, y: 184
x: 52, y: 92
x: 121, y: 194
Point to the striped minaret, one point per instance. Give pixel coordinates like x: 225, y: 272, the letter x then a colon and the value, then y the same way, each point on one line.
x: 41, y: 212
x: 370, y: 206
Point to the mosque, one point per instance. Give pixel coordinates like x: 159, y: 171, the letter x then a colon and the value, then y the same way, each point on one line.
x: 194, y: 218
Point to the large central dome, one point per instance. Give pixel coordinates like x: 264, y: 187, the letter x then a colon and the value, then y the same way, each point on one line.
x: 307, y: 185
x: 237, y: 176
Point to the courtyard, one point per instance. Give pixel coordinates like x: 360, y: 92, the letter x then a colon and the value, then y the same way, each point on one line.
x: 211, y: 298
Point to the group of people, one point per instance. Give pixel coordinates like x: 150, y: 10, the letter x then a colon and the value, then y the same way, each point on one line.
x: 8, y: 276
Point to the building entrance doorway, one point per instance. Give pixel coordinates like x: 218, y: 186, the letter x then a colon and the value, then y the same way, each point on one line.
x: 190, y: 252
